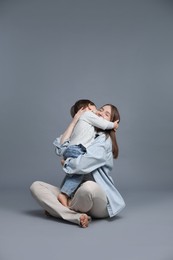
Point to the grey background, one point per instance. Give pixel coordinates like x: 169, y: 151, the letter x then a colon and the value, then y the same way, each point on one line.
x: 53, y: 53
x: 56, y: 52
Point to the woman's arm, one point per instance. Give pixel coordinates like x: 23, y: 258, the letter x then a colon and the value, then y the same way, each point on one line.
x: 67, y: 134
x: 98, y: 154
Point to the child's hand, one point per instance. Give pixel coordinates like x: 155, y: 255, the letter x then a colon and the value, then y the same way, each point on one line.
x: 116, y: 125
x: 62, y: 162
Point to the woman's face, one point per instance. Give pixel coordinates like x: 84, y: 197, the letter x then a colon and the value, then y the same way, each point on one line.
x: 105, y: 112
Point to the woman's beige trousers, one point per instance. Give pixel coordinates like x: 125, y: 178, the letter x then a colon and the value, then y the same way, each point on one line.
x: 89, y: 198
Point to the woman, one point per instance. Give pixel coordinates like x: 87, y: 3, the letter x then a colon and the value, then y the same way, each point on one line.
x: 97, y: 196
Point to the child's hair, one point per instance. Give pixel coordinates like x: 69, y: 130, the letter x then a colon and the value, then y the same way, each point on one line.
x: 79, y: 104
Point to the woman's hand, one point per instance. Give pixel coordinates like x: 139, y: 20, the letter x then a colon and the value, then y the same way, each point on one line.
x: 78, y: 114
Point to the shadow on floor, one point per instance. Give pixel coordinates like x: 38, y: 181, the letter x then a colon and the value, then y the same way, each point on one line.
x: 40, y: 214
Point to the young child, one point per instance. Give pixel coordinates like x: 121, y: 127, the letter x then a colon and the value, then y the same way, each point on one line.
x: 81, y: 132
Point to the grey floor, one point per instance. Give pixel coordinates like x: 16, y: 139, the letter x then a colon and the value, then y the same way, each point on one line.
x: 143, y: 230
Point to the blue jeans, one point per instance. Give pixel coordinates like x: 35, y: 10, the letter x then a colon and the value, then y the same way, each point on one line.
x: 71, y: 182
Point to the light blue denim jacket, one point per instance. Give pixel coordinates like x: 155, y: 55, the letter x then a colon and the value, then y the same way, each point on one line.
x: 98, y: 161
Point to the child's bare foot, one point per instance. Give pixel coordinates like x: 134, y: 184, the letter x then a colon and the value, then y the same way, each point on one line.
x: 63, y: 198
x: 84, y: 220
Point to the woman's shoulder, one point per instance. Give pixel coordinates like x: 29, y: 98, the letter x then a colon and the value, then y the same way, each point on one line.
x: 104, y: 138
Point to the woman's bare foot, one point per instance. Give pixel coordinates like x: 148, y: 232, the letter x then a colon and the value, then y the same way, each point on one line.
x: 84, y: 220
x: 63, y: 198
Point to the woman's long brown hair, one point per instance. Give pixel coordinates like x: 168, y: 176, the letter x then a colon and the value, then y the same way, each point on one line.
x: 115, y: 115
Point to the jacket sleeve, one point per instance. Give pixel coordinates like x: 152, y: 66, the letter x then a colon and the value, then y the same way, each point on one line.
x: 95, y: 157
x: 60, y: 148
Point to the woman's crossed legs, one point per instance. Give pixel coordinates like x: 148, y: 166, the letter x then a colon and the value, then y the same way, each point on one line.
x: 88, y: 201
